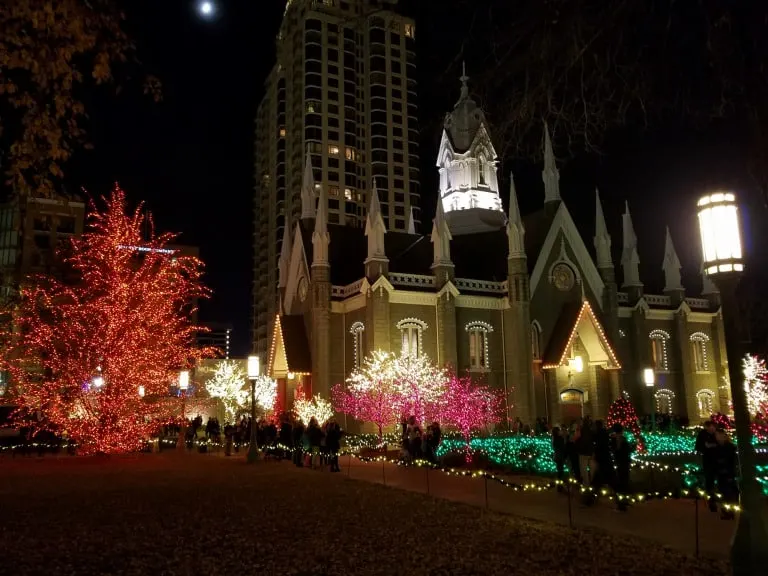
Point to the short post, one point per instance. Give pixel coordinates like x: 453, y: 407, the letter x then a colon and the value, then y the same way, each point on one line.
x: 384, y: 470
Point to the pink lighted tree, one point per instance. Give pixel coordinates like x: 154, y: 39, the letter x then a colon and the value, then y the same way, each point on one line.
x: 469, y: 405
x: 377, y: 405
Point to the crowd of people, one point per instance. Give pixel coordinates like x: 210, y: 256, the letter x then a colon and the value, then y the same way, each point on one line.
x: 596, y: 457
x: 417, y: 444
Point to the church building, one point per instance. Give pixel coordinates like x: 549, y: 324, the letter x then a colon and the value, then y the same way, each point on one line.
x: 524, y: 303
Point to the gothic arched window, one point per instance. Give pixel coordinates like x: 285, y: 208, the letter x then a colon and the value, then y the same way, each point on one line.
x: 664, y: 401
x: 659, y: 339
x: 357, y: 329
x: 705, y: 400
x: 478, y: 345
x: 536, y: 340
x: 410, y: 336
x: 699, y: 343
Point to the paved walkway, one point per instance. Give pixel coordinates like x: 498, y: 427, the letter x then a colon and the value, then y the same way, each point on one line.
x: 672, y: 523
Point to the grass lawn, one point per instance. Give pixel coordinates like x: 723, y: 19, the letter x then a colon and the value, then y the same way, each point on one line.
x: 193, y: 514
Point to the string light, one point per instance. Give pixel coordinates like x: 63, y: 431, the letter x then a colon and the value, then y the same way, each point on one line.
x: 316, y: 408
x: 755, y: 383
x: 481, y: 329
x: 622, y: 412
x: 663, y: 337
x: 468, y: 406
x: 668, y: 396
x: 228, y: 384
x: 128, y: 314
x: 357, y: 330
x: 586, y: 308
x: 699, y: 341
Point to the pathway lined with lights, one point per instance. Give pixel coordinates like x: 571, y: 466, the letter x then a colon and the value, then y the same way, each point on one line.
x: 670, y: 522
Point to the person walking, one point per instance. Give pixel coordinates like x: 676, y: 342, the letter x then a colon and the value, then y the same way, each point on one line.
x: 622, y: 452
x: 706, y: 447
x: 558, y: 448
x: 333, y: 443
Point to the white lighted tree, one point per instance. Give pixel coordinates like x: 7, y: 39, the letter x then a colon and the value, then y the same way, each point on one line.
x: 756, y: 383
x: 317, y: 408
x: 229, y: 385
x: 421, y: 386
x: 265, y: 393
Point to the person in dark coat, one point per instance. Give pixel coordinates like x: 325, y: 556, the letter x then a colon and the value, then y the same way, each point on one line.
x: 725, y: 471
x: 706, y: 447
x: 286, y: 435
x: 622, y: 452
x: 333, y: 443
x: 586, y: 449
x: 298, y: 443
x: 602, y: 465
x: 315, y: 435
x: 558, y: 448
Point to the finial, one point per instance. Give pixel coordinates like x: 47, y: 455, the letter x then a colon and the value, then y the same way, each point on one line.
x: 464, y: 79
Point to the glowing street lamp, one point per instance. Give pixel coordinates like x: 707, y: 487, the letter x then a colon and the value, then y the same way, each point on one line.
x: 649, y: 379
x: 254, y: 368
x: 98, y: 382
x: 183, y: 386
x: 141, y: 391
x: 724, y: 264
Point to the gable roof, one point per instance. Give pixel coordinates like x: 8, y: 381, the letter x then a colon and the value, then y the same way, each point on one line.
x: 290, y: 339
x: 578, y: 319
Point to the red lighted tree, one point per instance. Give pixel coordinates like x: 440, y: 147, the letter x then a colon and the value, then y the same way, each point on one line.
x: 622, y: 412
x: 469, y: 405
x: 89, y: 355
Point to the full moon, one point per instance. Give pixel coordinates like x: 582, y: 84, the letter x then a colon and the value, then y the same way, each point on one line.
x: 206, y: 8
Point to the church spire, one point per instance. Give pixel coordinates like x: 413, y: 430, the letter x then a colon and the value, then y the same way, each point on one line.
x: 671, y: 266
x: 441, y: 237
x: 411, y: 223
x: 515, y: 228
x: 464, y: 79
x: 602, y: 238
x: 320, y: 237
x: 308, y: 190
x: 629, y: 257
x: 374, y: 227
x: 550, y: 174
x: 285, y: 256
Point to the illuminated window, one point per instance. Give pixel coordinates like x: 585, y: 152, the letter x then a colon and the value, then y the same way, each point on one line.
x: 410, y: 31
x: 659, y: 340
x: 664, y: 401
x: 705, y: 400
x: 350, y: 153
x: 699, y: 342
x: 333, y: 190
x: 536, y: 340
x: 282, y: 132
x: 410, y: 335
x: 313, y: 106
x: 348, y: 193
x: 333, y: 149
x: 478, y: 344
x: 357, y: 330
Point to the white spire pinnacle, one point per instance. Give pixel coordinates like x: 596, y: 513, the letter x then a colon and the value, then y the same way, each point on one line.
x: 550, y: 175
x: 308, y: 190
x: 441, y: 237
x: 671, y: 265
x: 411, y: 223
x: 629, y: 258
x: 602, y: 238
x: 320, y: 237
x: 285, y: 256
x: 515, y: 228
x: 374, y: 227
x: 464, y: 79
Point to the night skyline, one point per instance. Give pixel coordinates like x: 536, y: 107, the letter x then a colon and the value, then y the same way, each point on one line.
x: 190, y: 157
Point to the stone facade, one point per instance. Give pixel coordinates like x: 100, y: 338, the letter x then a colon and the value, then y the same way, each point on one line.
x: 520, y: 302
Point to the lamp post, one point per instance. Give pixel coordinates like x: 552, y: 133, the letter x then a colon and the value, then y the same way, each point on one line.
x: 253, y: 374
x: 724, y: 264
x: 649, y: 378
x: 183, y: 386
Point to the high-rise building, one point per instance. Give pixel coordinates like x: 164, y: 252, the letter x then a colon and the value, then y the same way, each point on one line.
x: 339, y: 111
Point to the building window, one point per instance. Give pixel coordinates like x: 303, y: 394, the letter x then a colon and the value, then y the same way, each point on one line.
x: 357, y: 330
x: 664, y: 401
x: 411, y: 336
x: 659, y: 340
x: 282, y: 132
x: 410, y: 31
x: 699, y: 342
x: 478, y: 345
x: 481, y: 171
x: 705, y: 400
x: 536, y: 340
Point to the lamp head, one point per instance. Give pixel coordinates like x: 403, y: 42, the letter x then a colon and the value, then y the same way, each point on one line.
x: 254, y: 367
x: 183, y: 379
x: 649, y: 377
x: 720, y: 233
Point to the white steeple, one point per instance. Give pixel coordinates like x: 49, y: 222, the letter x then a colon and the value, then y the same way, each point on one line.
x: 411, y: 223
x: 671, y: 266
x: 602, y: 238
x: 468, y: 173
x: 515, y: 228
x: 285, y: 256
x: 320, y: 237
x: 308, y: 190
x: 629, y: 258
x: 550, y: 174
x: 374, y: 227
x: 441, y: 237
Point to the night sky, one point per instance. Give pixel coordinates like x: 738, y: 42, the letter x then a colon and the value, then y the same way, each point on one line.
x: 190, y: 157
